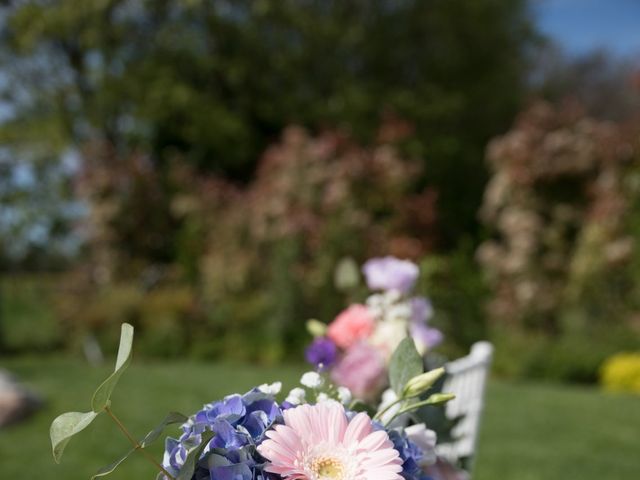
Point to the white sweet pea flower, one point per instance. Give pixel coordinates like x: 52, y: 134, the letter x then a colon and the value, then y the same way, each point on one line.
x: 271, y: 389
x: 376, y: 300
x: 296, y: 396
x: 345, y: 396
x: 399, y: 311
x: 311, y: 380
x: 425, y: 439
x: 391, y: 296
x: 388, y: 335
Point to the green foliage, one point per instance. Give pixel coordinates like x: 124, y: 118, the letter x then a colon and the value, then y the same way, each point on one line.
x: 573, y: 357
x: 165, y: 316
x: 458, y: 292
x: 27, y: 313
x: 405, y: 364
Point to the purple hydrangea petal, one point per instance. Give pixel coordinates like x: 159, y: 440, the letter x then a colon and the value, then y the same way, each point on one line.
x: 322, y: 351
x: 427, y: 336
x: 239, y: 423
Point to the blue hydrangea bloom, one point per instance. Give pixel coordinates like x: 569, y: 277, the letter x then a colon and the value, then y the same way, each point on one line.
x: 239, y: 423
x: 410, y: 454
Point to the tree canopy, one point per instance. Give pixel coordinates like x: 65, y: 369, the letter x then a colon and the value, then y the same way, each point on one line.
x: 217, y: 81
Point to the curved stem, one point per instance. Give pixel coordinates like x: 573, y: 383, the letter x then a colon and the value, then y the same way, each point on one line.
x: 136, y: 444
x: 378, y: 416
x: 415, y: 406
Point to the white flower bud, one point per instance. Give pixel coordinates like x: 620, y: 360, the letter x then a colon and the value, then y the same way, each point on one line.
x: 323, y: 397
x: 296, y: 396
x: 311, y: 380
x: 271, y: 389
x: 345, y: 396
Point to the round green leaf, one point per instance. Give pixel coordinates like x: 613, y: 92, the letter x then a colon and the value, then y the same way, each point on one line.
x: 66, y: 426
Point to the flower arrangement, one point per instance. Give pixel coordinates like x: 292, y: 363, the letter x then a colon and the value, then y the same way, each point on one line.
x: 356, y: 347
x: 318, y: 432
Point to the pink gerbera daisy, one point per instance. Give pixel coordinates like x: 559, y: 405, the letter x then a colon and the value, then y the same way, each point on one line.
x: 318, y: 442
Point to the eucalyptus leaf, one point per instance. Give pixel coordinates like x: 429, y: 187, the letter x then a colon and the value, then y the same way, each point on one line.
x: 66, y: 426
x: 106, y: 470
x: 406, y: 363
x: 103, y: 393
x: 193, y: 455
x: 170, y: 419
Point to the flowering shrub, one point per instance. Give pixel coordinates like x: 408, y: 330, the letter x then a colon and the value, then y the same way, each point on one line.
x: 240, y: 251
x: 357, y: 345
x: 274, y: 245
x: 621, y: 373
x: 562, y: 204
x: 316, y: 433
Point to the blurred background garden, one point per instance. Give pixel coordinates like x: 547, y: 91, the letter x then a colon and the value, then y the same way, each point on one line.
x: 209, y: 170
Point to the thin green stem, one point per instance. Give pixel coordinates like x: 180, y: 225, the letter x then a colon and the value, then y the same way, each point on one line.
x: 136, y: 444
x: 378, y: 416
x: 412, y: 407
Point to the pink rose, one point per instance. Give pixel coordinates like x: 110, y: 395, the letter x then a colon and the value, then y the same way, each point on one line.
x: 362, y: 370
x: 353, y: 324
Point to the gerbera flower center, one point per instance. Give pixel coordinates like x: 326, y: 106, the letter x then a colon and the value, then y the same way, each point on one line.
x: 328, y: 468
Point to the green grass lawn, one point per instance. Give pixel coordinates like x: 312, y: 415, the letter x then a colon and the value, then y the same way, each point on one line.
x: 530, y: 431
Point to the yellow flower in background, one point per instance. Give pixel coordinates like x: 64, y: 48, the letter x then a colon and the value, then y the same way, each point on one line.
x: 621, y: 373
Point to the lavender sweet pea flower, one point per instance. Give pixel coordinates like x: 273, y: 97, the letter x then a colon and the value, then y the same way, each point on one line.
x: 321, y: 351
x: 421, y: 309
x: 390, y: 273
x: 425, y: 337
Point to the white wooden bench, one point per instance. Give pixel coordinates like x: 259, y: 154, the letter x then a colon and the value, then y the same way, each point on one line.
x: 467, y: 378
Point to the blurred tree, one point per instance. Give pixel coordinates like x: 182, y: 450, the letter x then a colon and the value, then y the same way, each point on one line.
x: 217, y: 81
x: 37, y: 211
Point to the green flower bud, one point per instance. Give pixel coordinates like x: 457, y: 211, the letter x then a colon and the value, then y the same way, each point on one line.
x: 439, y: 398
x: 421, y: 383
x: 347, y: 275
x: 316, y: 327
